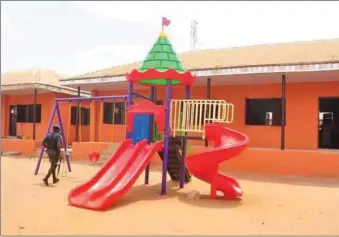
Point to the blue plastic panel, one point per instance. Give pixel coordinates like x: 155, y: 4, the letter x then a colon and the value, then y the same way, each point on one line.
x: 141, y: 127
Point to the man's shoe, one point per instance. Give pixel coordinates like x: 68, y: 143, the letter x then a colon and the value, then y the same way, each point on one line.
x: 45, y: 182
x: 56, y: 181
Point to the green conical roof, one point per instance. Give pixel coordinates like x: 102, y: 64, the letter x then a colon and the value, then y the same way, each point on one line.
x: 161, y: 57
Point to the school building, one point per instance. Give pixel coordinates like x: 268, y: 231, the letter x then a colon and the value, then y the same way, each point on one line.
x: 27, y: 98
x: 283, y: 95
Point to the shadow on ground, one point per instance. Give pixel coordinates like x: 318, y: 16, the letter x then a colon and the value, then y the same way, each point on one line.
x: 43, y: 185
x: 145, y: 193
x: 152, y: 193
x: 287, y: 179
x: 205, y: 201
x: 283, y: 179
x: 67, y: 177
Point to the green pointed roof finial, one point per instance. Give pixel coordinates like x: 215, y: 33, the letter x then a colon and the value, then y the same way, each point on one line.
x: 161, y: 63
x: 162, y: 56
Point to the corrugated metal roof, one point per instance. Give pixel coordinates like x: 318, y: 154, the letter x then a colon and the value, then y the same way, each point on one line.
x: 270, y: 54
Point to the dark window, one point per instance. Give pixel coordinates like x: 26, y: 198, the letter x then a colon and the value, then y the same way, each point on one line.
x: 30, y: 113
x: 25, y: 113
x: 108, y: 113
x: 202, y: 112
x: 21, y: 114
x: 114, y: 113
x: 73, y: 115
x: 159, y: 102
x: 85, y: 116
x: 211, y: 111
x: 263, y: 112
x: 206, y: 111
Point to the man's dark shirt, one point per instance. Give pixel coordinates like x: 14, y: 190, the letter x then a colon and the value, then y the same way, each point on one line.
x: 52, y: 140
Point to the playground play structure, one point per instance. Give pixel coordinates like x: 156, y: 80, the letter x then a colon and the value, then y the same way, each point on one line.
x: 176, y: 121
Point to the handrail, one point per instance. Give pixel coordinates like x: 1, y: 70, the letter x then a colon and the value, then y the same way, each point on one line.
x: 191, y: 115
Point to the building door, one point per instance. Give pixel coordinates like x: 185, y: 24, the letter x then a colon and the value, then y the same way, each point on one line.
x: 12, y: 120
x: 328, y: 123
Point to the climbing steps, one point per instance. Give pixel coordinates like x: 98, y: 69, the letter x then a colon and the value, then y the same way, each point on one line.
x: 107, y: 154
x: 174, y: 160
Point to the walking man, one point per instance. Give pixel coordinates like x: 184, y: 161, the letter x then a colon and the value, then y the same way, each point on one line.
x: 52, y: 143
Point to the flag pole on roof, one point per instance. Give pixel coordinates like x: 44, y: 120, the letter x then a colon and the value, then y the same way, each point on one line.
x: 165, y: 22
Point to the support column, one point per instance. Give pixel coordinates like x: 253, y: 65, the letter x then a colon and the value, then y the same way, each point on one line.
x: 283, y: 111
x: 129, y: 101
x: 151, y: 131
x: 5, y: 113
x: 166, y: 136
x: 153, y: 99
x: 93, y: 120
x: 77, y: 118
x: 184, y: 147
x: 35, y: 97
x: 55, y: 107
x: 62, y: 131
x: 208, y: 96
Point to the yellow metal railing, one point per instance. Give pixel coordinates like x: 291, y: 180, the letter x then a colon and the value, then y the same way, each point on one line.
x: 191, y: 115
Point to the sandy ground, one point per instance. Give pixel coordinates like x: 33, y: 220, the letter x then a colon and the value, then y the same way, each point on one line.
x: 28, y: 207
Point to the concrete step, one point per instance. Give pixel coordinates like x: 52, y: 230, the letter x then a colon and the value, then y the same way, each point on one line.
x: 37, y: 153
x: 104, y: 156
x: 111, y: 149
x: 11, y: 153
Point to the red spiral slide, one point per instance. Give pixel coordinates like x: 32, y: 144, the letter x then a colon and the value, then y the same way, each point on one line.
x: 116, y: 177
x: 228, y: 143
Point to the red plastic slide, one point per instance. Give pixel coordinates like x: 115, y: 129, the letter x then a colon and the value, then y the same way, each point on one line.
x: 116, y: 177
x: 228, y: 143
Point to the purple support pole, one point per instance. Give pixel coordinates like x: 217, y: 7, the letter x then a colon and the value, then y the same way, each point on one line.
x: 48, y: 129
x: 152, y: 97
x: 129, y: 100
x: 166, y: 136
x: 130, y: 93
x: 184, y: 147
x: 63, y: 137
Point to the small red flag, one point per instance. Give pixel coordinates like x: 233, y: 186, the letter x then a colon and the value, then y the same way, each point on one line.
x: 165, y: 21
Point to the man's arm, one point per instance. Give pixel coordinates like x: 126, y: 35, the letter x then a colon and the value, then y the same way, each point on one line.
x: 44, y: 142
x: 59, y: 143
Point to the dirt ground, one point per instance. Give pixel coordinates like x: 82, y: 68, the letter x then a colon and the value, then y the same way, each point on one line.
x: 276, y: 207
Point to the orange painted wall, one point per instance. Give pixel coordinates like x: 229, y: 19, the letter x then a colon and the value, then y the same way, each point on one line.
x: 260, y: 161
x: 25, y: 147
x: 273, y: 161
x: 301, y: 112
x: 81, y: 150
x: 46, y: 100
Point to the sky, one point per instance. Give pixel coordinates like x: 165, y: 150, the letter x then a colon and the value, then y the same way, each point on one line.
x: 74, y: 38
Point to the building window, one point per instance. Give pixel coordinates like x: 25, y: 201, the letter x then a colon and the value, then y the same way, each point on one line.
x: 263, y: 112
x: 114, y: 113
x: 211, y: 111
x: 159, y: 102
x: 30, y: 113
x: 21, y: 114
x: 204, y: 113
x: 84, y: 116
x: 197, y: 114
x: 73, y: 115
x: 25, y: 113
